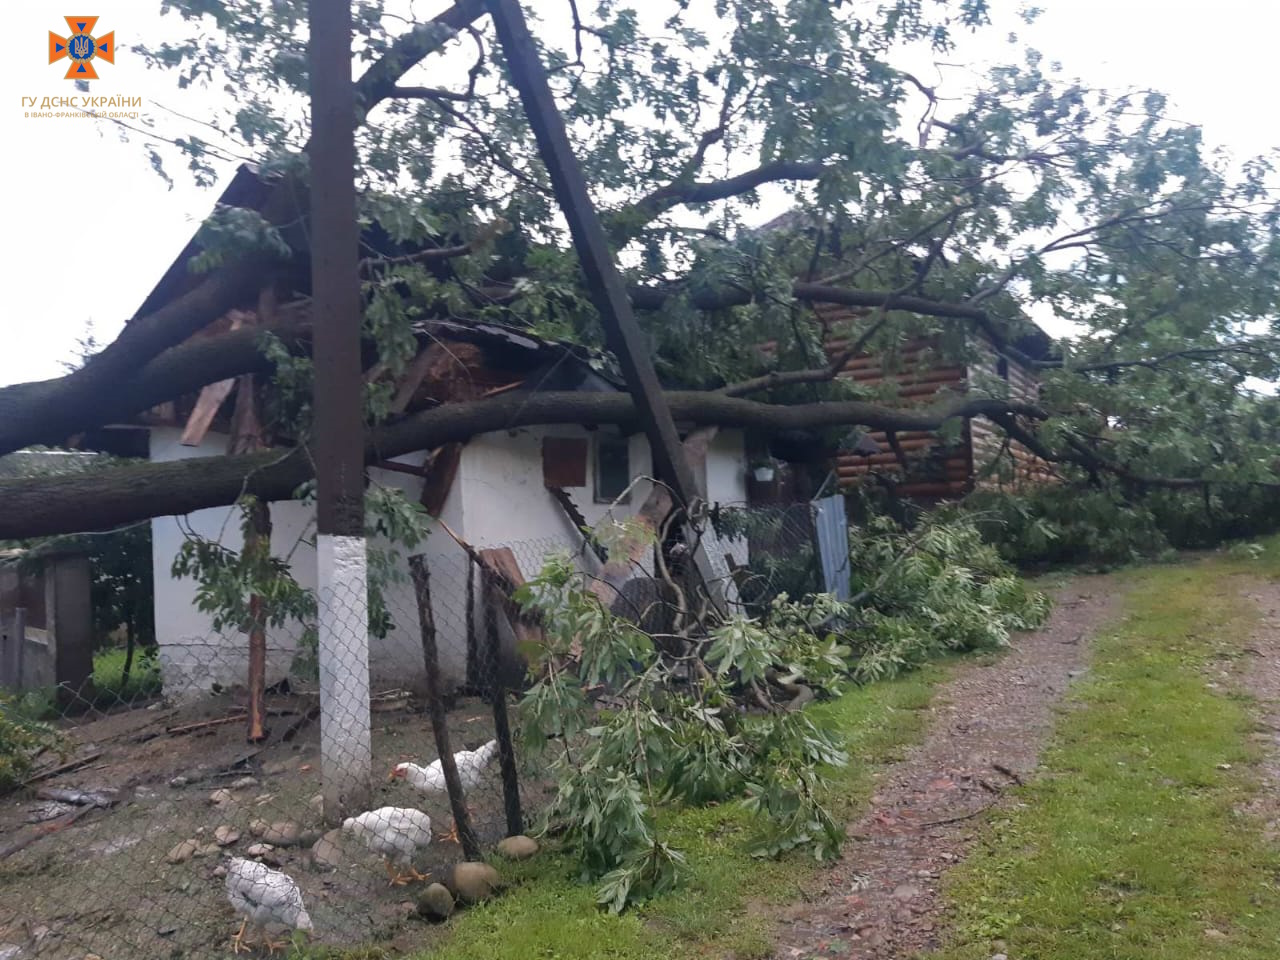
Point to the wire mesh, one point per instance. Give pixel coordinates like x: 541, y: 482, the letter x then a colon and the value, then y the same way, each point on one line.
x: 130, y: 833
x: 156, y: 818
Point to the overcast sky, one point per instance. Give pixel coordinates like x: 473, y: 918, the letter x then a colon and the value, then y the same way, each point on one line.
x: 91, y: 226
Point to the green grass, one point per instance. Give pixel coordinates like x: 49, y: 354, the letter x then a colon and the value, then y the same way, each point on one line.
x: 1131, y: 847
x: 719, y: 909
x: 108, y: 667
x: 110, y: 689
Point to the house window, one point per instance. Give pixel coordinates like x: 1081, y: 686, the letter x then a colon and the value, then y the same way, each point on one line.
x: 613, y: 467
x: 1002, y: 368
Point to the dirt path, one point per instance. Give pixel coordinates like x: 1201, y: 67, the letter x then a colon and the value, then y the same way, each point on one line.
x: 1257, y: 672
x: 986, y: 729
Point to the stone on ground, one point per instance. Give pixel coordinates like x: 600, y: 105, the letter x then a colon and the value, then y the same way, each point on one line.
x: 436, y: 902
x: 473, y: 882
x: 518, y: 847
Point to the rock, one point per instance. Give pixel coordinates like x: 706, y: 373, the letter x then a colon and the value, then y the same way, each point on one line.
x: 906, y: 891
x: 436, y: 902
x: 259, y: 849
x: 473, y: 882
x: 219, y: 871
x: 207, y: 850
x: 220, y: 798
x: 1213, y: 934
x: 283, y: 833
x: 10, y: 951
x: 182, y: 852
x: 316, y: 803
x: 518, y: 847
x: 177, y: 782
x: 999, y: 956
x: 275, y: 768
x: 92, y: 956
x: 225, y: 836
x: 244, y: 783
x: 258, y: 827
x: 326, y: 853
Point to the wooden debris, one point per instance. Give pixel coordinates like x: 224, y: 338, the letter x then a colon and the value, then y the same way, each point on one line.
x: 62, y: 768
x: 31, y: 836
x: 79, y: 798
x: 204, y: 724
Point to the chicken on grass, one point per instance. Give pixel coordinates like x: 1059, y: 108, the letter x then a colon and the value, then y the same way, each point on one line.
x: 395, y: 832
x: 429, y: 780
x: 264, y: 897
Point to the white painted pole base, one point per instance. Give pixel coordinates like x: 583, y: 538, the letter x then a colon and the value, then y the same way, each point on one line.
x: 346, y: 750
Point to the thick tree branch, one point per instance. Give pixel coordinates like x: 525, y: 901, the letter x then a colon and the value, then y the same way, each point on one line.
x: 682, y: 191
x: 102, y: 499
x: 654, y: 298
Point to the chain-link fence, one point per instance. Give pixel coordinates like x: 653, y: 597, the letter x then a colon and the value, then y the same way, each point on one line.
x: 778, y: 544
x: 128, y: 833
x: 161, y: 810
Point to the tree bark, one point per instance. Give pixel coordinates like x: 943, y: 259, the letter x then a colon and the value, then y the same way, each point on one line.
x: 421, y: 576
x: 259, y: 546
x: 42, y: 506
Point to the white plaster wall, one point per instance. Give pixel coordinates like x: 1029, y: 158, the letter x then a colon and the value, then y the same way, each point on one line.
x: 396, y: 659
x: 506, y: 503
x: 193, y: 656
x: 497, y: 499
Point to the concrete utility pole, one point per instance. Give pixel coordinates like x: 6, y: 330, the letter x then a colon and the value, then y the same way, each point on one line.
x: 338, y: 445
x: 622, y: 333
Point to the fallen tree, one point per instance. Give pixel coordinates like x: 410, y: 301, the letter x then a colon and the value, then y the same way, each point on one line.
x: 1033, y: 193
x: 103, y: 499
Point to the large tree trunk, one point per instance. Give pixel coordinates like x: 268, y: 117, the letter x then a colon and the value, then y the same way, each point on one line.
x: 41, y: 506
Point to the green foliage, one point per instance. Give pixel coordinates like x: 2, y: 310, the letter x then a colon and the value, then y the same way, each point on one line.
x: 665, y: 731
x: 1105, y: 526
x: 227, y: 579
x: 231, y: 232
x: 1067, y: 525
x: 935, y: 589
x: 20, y: 739
x: 1097, y: 206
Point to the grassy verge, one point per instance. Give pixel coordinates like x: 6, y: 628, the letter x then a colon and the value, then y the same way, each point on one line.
x: 1131, y: 847
x: 549, y: 915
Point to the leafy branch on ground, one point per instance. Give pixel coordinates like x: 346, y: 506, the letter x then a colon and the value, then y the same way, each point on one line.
x: 627, y: 720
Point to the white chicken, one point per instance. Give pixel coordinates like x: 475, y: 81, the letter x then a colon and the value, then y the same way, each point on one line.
x: 262, y: 896
x: 395, y: 832
x: 471, y: 765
